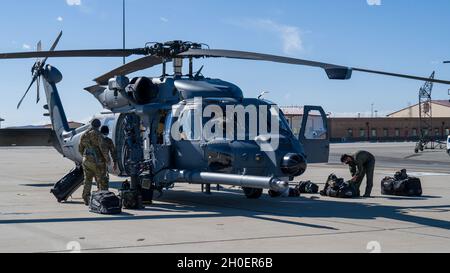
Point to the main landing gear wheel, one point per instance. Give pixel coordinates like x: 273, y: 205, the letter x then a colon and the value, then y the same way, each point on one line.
x: 251, y: 193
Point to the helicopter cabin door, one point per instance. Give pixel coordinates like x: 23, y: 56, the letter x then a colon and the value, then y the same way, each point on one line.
x: 314, y: 134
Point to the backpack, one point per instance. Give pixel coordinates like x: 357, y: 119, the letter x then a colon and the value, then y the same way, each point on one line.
x: 130, y: 199
x: 105, y: 202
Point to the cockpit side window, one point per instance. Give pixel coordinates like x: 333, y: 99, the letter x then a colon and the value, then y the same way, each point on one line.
x: 190, y: 125
x: 168, y: 128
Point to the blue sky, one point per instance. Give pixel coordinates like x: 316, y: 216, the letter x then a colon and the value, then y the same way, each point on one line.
x: 398, y: 35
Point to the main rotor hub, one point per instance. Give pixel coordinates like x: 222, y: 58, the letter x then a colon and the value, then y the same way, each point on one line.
x: 171, y: 49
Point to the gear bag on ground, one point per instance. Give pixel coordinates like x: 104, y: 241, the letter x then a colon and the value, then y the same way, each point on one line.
x: 68, y: 184
x: 105, y: 202
x: 308, y: 187
x: 401, y: 185
x: 338, y: 188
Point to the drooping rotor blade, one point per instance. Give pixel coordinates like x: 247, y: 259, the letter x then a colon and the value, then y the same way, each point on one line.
x: 253, y: 56
x: 131, y: 67
x: 337, y: 72
x: 35, y: 77
x: 75, y: 53
x: 426, y: 79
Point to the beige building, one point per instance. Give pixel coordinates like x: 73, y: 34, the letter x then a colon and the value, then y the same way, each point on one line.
x: 440, y: 108
x: 392, y: 128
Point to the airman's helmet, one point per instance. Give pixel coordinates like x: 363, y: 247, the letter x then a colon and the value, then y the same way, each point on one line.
x: 96, y: 124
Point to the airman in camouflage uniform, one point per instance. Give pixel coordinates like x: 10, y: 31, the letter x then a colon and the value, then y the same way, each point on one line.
x: 361, y: 164
x: 95, y: 160
x: 108, y: 146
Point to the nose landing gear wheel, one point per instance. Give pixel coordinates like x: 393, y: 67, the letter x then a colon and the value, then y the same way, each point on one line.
x: 253, y: 193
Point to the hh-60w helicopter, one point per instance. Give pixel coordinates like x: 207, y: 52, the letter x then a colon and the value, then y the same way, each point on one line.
x: 145, y: 109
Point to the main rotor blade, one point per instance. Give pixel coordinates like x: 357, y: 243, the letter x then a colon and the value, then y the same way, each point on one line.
x: 28, y: 90
x: 253, y: 56
x: 425, y: 79
x: 334, y: 71
x: 131, y: 67
x: 74, y: 53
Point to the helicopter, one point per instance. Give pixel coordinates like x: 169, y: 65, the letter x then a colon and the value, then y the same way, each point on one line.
x: 162, y: 139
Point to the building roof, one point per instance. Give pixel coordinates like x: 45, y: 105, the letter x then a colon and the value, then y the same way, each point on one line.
x: 445, y: 103
x: 293, y: 110
x: 72, y: 125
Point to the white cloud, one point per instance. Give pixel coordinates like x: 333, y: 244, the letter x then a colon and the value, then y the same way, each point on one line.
x: 73, y: 2
x: 60, y: 19
x: 289, y: 35
x: 374, y: 2
x: 164, y: 19
x: 26, y: 46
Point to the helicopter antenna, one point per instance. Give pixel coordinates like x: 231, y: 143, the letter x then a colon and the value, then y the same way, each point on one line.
x: 262, y: 95
x: 124, y: 27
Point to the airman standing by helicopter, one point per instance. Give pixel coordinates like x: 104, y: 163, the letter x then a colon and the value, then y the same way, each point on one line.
x: 361, y: 164
x: 108, y: 146
x: 95, y: 160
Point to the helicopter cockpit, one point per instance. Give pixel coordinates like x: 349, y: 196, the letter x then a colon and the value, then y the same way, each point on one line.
x: 228, y: 135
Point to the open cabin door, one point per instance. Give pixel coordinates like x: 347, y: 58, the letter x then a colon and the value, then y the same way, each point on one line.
x: 314, y: 134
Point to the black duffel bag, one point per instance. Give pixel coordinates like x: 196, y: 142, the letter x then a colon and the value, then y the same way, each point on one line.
x: 401, y: 185
x: 293, y: 192
x: 105, y: 202
x: 308, y: 187
x: 338, y: 188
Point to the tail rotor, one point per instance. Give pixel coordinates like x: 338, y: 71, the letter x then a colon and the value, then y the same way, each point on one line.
x: 36, y: 71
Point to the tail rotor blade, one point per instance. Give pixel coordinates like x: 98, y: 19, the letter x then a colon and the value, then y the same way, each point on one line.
x: 39, y: 46
x: 53, y: 47
x: 38, y: 49
x: 38, y: 96
x: 26, y: 93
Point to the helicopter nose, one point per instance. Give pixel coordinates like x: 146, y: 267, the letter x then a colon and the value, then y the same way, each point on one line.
x: 294, y: 164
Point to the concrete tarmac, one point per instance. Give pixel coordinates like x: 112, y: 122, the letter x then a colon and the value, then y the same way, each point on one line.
x: 185, y: 220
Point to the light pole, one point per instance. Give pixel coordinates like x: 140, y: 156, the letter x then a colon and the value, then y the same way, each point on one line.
x: 447, y: 62
x: 124, y: 28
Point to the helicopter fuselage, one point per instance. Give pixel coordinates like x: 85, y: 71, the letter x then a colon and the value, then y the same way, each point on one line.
x: 192, y: 130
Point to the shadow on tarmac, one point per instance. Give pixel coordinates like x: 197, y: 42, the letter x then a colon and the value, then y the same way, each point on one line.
x: 192, y: 205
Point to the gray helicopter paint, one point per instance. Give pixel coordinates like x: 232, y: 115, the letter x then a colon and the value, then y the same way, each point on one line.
x: 207, y: 88
x: 195, y: 177
x: 183, y: 157
x: 69, y: 139
x: 51, y: 76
